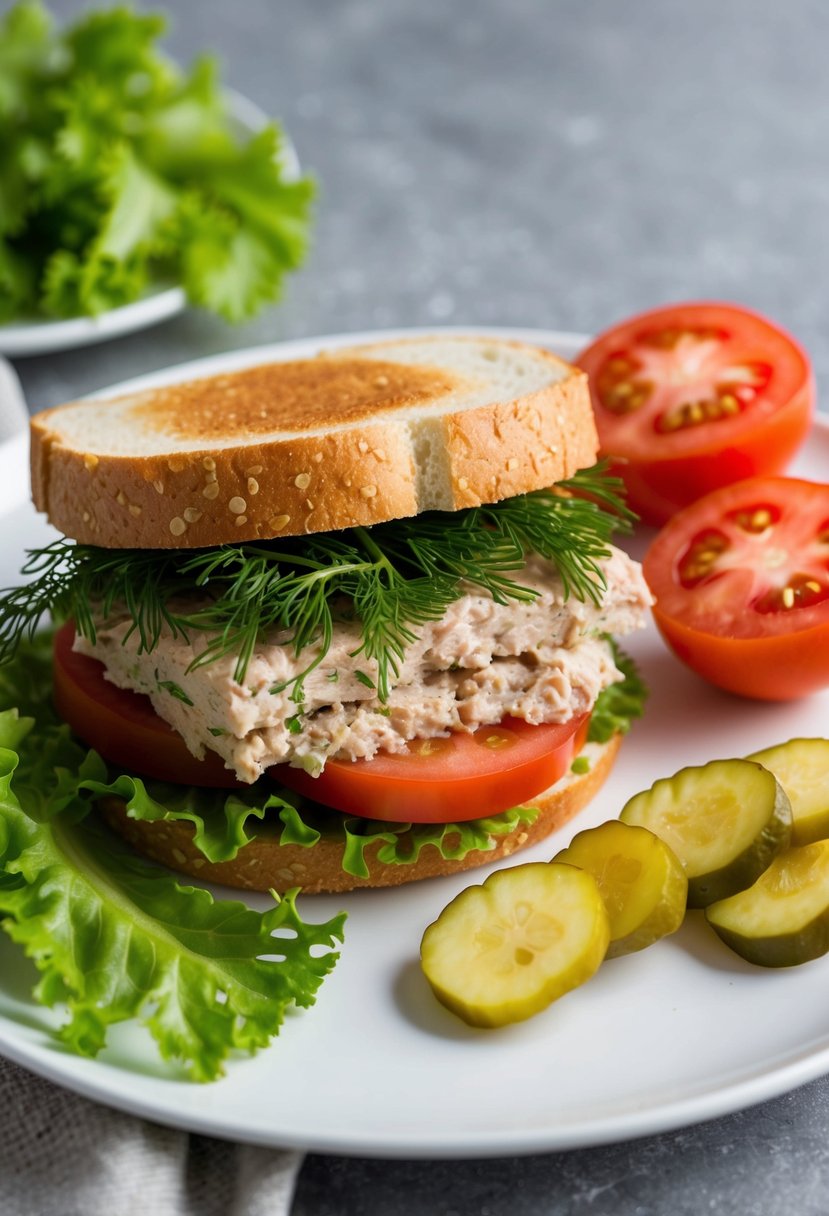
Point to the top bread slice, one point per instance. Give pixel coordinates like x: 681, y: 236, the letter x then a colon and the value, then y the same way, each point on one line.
x: 358, y: 435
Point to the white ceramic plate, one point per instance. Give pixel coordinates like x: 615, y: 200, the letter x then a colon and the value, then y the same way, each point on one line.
x: 43, y: 337
x: 682, y: 1032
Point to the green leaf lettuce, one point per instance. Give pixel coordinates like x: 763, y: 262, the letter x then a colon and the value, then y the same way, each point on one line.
x: 118, y: 171
x: 116, y: 938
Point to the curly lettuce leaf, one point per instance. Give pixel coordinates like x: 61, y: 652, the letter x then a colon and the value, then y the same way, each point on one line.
x: 620, y: 703
x: 219, y: 819
x: 115, y: 266
x: 402, y: 844
x: 26, y: 682
x: 224, y: 823
x: 118, y: 170
x: 17, y: 285
x: 235, y: 251
x: 25, y: 46
x: 117, y: 44
x: 116, y: 938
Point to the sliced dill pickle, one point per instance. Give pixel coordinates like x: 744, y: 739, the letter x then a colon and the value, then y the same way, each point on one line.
x: 783, y: 919
x: 640, y: 878
x: 802, y: 768
x: 503, y: 951
x: 725, y: 821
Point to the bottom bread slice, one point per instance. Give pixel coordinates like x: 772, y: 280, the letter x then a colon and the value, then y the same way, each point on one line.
x: 264, y: 864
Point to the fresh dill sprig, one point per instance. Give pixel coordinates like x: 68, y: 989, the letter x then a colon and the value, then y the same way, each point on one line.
x: 393, y: 578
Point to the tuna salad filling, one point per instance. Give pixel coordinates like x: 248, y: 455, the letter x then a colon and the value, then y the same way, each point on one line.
x: 543, y: 660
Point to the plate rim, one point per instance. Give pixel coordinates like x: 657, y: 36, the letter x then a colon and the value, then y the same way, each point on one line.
x: 755, y: 1085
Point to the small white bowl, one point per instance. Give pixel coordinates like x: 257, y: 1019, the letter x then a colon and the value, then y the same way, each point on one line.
x: 43, y: 337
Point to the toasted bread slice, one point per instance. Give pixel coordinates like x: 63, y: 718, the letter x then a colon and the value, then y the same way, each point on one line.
x: 360, y: 435
x: 266, y: 865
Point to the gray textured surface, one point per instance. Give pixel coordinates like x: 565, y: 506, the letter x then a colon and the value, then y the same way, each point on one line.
x: 558, y: 164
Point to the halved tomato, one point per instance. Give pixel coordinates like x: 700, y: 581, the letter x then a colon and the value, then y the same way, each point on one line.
x: 462, y: 776
x: 691, y: 397
x: 741, y: 580
x: 122, y: 726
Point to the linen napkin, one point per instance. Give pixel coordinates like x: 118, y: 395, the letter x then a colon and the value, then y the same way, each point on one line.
x: 62, y: 1155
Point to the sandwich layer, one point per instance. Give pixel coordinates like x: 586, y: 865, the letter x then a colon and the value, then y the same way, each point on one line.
x: 358, y: 436
x: 542, y: 660
x: 264, y: 864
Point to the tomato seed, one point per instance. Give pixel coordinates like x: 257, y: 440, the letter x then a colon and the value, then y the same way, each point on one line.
x: 755, y: 519
x: 701, y: 557
x: 429, y: 747
x: 800, y: 592
x: 625, y: 396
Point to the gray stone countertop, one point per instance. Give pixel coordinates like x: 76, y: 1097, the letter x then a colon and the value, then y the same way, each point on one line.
x: 558, y: 164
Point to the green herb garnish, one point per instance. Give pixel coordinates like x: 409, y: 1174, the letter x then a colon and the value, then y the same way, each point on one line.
x: 175, y: 690
x: 118, y: 172
x: 397, y: 577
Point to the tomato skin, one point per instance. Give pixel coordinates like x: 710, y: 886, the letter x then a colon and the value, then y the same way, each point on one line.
x: 664, y: 472
x: 770, y: 656
x: 122, y: 726
x: 766, y: 669
x: 466, y: 781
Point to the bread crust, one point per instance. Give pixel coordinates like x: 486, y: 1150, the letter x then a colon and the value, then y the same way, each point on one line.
x: 362, y: 473
x: 264, y: 864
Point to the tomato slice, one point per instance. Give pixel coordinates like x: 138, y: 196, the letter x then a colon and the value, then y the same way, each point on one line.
x: 447, y: 780
x: 122, y: 726
x: 692, y: 397
x: 741, y: 580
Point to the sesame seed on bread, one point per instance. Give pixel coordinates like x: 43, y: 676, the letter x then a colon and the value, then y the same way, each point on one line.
x: 360, y: 435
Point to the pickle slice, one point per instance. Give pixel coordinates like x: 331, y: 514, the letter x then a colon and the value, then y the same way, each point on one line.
x: 783, y: 919
x: 802, y: 768
x: 725, y: 821
x: 641, y: 880
x: 504, y: 951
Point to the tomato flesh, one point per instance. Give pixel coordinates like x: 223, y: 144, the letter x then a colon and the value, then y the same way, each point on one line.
x: 741, y: 580
x: 447, y: 780
x: 692, y: 397
x: 122, y: 726
x: 462, y: 776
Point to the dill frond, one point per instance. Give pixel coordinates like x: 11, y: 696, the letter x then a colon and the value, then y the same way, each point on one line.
x: 394, y: 577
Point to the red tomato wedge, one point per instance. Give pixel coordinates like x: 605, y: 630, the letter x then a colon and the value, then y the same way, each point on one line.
x: 741, y: 580
x: 122, y: 726
x: 692, y: 397
x: 448, y: 780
